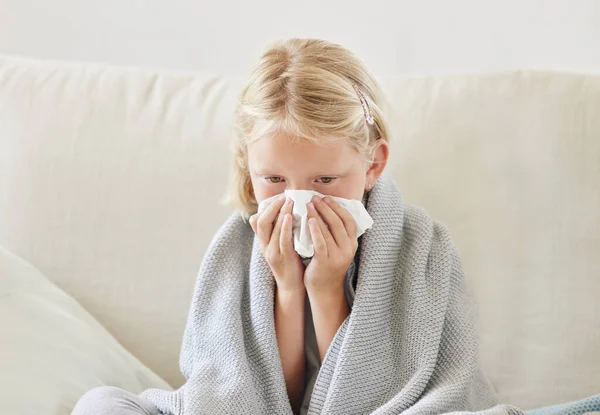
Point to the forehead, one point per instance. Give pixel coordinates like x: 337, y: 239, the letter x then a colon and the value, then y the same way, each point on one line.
x: 281, y: 151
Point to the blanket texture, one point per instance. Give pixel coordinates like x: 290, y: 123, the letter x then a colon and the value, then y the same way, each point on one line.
x: 408, y: 346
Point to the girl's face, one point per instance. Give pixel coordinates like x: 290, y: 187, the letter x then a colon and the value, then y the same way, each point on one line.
x: 333, y: 168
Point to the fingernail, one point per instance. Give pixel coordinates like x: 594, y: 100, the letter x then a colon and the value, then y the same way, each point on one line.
x: 327, y: 200
x: 311, y: 206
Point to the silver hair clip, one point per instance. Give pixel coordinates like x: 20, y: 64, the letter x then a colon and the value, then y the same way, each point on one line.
x: 365, y: 105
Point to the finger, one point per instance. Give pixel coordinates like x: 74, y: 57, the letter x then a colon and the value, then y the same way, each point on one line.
x: 333, y: 221
x: 344, y: 214
x: 264, y: 224
x: 318, y: 240
x: 327, y: 237
x: 286, y: 242
x: 276, y: 236
x: 287, y: 207
x: 252, y: 221
x: 286, y: 245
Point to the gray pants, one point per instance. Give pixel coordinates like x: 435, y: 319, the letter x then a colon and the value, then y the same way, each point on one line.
x: 110, y: 400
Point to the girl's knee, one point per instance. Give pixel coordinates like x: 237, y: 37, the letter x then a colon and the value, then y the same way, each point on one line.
x: 111, y: 400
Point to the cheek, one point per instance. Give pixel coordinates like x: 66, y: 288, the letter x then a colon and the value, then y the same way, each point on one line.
x: 263, y: 190
x: 349, y: 188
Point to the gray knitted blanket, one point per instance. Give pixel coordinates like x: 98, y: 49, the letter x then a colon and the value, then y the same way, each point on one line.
x: 408, y: 346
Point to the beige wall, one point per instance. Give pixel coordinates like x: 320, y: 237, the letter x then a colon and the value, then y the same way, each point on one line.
x: 401, y: 36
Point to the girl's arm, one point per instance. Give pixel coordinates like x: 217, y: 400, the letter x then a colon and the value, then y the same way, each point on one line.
x: 329, y: 310
x: 289, y: 326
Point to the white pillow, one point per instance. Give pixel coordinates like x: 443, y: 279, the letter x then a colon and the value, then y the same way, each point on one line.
x: 52, y: 350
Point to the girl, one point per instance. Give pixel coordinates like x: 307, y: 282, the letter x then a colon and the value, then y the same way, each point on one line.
x: 383, y: 324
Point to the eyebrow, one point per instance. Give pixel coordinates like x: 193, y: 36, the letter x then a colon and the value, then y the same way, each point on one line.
x: 266, y: 170
x: 269, y: 173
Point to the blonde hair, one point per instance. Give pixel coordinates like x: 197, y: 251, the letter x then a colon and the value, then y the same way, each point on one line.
x: 309, y: 89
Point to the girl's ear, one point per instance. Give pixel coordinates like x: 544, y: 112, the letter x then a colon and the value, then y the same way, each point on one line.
x: 376, y: 168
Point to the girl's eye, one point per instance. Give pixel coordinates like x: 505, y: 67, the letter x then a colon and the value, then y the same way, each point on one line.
x: 274, y: 179
x: 327, y: 180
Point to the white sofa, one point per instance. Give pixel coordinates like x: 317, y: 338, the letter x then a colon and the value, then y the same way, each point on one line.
x: 110, y: 181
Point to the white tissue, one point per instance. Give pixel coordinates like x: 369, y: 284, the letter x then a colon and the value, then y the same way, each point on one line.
x: 302, y: 240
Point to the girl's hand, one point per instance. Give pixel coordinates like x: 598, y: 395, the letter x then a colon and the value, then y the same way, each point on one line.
x: 333, y: 232
x: 277, y: 244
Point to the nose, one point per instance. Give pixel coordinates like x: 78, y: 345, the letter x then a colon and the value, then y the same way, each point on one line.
x: 300, y: 186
